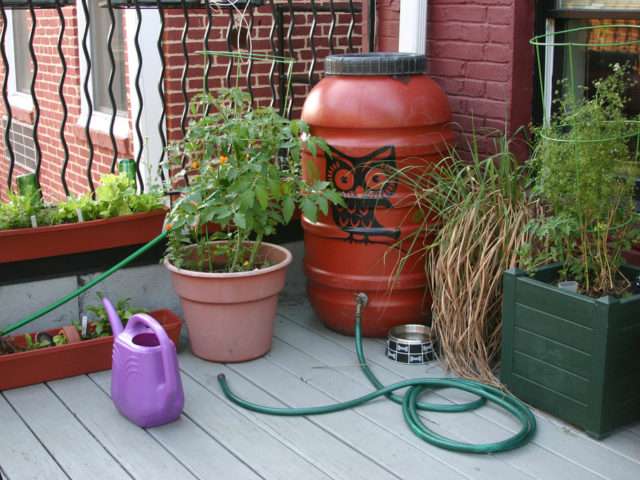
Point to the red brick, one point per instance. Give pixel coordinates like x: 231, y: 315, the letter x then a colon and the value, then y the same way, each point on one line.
x: 450, y: 30
x: 464, y: 13
x: 500, y: 15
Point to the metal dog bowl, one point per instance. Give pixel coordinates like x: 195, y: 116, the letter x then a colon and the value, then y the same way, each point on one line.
x: 410, y: 344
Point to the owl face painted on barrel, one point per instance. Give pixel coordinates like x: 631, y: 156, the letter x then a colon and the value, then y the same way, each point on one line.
x: 366, y: 185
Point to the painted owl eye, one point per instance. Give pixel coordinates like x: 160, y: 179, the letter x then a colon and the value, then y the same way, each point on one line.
x: 375, y: 179
x: 343, y: 179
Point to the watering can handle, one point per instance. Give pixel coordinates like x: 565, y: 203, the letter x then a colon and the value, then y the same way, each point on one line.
x: 166, y: 344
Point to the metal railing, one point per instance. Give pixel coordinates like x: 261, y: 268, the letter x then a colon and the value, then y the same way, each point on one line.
x: 310, y: 29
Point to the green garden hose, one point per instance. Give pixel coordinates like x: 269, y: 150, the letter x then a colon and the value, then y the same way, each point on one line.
x: 411, y: 405
x: 84, y: 288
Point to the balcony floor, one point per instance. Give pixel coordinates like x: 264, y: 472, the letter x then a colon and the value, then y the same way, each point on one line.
x: 70, y: 428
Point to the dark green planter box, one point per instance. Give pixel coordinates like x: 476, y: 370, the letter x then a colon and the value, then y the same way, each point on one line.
x: 573, y: 356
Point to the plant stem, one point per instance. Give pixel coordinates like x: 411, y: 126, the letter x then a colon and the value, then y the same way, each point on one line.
x: 206, y: 234
x: 254, y: 250
x: 236, y: 252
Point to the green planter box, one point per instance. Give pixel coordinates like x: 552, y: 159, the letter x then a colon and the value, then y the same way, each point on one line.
x: 573, y: 356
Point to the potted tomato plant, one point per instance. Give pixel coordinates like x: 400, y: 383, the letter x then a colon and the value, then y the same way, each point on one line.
x: 118, y: 216
x: 248, y: 182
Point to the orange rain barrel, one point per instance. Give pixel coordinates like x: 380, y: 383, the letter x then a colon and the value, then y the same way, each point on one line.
x: 378, y: 112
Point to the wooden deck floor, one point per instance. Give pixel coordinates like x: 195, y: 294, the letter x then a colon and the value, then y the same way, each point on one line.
x: 70, y: 428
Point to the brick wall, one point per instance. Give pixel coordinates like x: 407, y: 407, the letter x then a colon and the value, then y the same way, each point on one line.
x: 50, y: 72
x: 478, y: 52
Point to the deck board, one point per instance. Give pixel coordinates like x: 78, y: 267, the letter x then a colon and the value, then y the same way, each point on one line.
x: 250, y: 441
x: 313, y: 443
x: 75, y: 449
x: 20, y: 444
x: 136, y: 450
x: 196, y: 448
x: 308, y: 365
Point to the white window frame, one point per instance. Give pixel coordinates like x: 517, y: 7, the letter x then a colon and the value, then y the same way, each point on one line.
x: 413, y: 26
x: 100, y: 121
x: 17, y: 99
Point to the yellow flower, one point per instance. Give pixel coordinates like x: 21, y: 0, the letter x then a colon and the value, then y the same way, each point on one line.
x: 223, y: 159
x: 195, y: 165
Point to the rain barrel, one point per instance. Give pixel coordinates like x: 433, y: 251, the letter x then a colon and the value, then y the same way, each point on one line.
x: 378, y: 112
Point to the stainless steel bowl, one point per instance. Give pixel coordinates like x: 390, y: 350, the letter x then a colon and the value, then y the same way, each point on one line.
x: 411, y: 334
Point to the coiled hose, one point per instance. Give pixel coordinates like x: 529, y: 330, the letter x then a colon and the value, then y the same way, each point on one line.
x: 411, y: 405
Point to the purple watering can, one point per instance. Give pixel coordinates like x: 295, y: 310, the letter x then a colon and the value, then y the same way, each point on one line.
x: 145, y: 382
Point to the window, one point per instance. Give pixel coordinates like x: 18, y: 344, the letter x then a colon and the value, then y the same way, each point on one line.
x: 592, y: 61
x: 22, y: 61
x: 100, y: 62
x: 599, y: 4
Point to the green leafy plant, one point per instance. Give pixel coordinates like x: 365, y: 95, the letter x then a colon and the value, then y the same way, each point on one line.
x: 17, y: 212
x: 116, y: 195
x: 591, y: 215
x: 248, y: 182
x: 67, y: 211
x: 43, y: 340
x: 100, y: 326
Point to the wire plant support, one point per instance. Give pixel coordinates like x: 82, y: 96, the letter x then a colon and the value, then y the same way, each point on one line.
x: 566, y: 43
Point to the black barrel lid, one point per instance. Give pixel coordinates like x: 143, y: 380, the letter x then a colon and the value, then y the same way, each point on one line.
x: 375, y: 63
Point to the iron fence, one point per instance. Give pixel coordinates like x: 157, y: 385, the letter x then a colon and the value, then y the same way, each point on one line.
x: 305, y: 31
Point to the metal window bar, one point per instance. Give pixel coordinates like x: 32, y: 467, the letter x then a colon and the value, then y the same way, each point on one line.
x: 32, y: 89
x: 274, y: 49
x: 87, y: 95
x: 163, y: 70
x: 63, y: 101
x: 112, y: 76
x: 136, y: 44
x: 281, y: 81
x: 5, y: 97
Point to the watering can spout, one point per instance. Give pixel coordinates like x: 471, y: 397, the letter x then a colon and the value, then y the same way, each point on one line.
x: 114, y: 319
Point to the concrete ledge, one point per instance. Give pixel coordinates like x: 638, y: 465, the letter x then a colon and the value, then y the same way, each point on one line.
x: 148, y: 287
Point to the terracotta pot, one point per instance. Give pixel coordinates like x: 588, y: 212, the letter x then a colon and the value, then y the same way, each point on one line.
x: 379, y: 114
x: 230, y: 316
x: 87, y: 356
x: 30, y: 243
x: 71, y: 333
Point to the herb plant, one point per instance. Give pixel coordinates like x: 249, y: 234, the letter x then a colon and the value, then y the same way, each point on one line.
x: 591, y: 215
x: 100, y: 326
x: 44, y: 340
x: 17, y: 212
x: 116, y: 195
x: 248, y: 181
